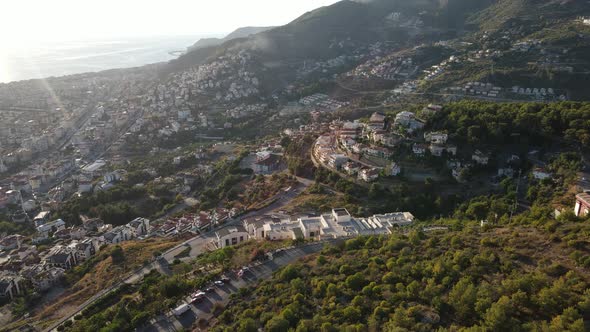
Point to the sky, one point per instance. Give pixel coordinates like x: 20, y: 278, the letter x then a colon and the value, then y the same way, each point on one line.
x: 26, y: 21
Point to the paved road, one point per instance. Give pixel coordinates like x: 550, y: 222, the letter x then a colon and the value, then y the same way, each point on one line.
x: 204, y: 308
x: 198, y: 245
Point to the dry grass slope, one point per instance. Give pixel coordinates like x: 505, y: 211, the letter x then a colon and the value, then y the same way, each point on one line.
x: 103, y: 275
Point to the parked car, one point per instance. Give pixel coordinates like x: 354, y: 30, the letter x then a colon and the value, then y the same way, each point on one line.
x: 218, y: 283
x: 181, y: 309
x: 242, y: 271
x: 225, y: 279
x: 209, y: 290
x: 198, y: 296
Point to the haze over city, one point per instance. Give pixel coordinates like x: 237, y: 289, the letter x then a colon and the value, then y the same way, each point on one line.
x: 67, y: 20
x: 59, y: 37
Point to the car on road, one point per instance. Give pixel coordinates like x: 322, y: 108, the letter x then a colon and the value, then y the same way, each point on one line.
x: 218, y: 283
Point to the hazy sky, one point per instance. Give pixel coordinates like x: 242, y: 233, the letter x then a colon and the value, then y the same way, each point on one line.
x: 37, y: 20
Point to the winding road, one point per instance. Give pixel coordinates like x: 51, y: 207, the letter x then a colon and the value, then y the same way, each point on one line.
x: 198, y: 245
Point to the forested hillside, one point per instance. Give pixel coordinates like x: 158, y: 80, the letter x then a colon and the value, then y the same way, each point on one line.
x: 502, y: 123
x: 474, y: 279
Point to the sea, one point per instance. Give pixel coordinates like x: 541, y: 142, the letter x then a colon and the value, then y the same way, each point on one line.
x: 46, y: 59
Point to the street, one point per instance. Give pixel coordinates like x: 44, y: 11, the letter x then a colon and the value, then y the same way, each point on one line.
x: 203, y: 310
x: 198, y: 245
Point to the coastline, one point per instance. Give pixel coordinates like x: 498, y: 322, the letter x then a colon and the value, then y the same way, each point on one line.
x: 70, y: 58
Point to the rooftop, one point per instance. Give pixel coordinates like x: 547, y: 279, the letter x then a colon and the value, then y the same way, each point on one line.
x: 94, y: 166
x: 584, y: 197
x: 341, y: 212
x: 230, y: 230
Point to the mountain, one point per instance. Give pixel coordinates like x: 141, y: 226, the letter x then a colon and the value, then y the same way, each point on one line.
x: 502, y: 13
x: 347, y: 26
x: 238, y: 33
x: 330, y: 31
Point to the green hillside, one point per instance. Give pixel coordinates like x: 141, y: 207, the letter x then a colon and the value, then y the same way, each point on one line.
x: 504, y: 12
x: 500, y: 279
x: 313, y: 35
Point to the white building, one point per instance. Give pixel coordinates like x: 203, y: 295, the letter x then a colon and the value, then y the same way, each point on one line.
x: 42, y: 276
x: 337, y: 160
x: 9, y: 286
x: 393, y: 169
x: 351, y: 168
x: 480, y: 158
x: 49, y: 228
x: 582, y: 205
x: 368, y: 174
x: 341, y: 215
x: 310, y: 227
x: 62, y: 257
x: 393, y: 219
x: 436, y: 137
x: 408, y: 120
x: 231, y: 236
x: 139, y: 226
x: 86, y: 248
x: 286, y: 230
x: 117, y: 235
x: 419, y: 149
x: 113, y: 176
x: 336, y: 223
x: 540, y: 173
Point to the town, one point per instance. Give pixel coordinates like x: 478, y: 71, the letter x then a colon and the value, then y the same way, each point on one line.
x: 199, y: 179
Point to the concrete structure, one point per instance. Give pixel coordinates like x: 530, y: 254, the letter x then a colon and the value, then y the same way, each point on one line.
x: 230, y: 236
x: 341, y: 215
x: 408, y: 120
x: 139, y: 226
x: 336, y: 223
x: 11, y: 242
x: 117, y: 235
x: 336, y: 160
x: 41, y: 218
x: 368, y: 174
x: 45, y: 230
x: 267, y: 164
x: 311, y: 227
x: 86, y: 248
x: 480, y: 157
x: 42, y: 276
x: 393, y: 219
x: 419, y: 149
x: 9, y: 286
x: 582, y: 206
x: 436, y: 137
x: 287, y: 230
x: 393, y: 169
x: 62, y: 257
